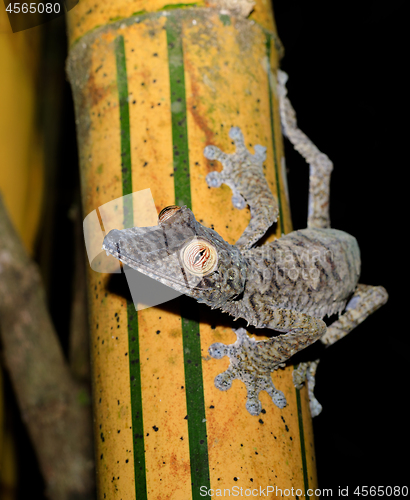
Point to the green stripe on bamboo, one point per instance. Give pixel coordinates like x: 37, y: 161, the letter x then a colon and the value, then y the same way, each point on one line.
x: 272, y: 126
x: 198, y: 444
x: 132, y: 315
x: 302, y: 443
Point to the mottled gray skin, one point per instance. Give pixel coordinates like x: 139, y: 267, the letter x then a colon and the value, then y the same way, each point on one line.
x: 312, y: 271
x: 287, y: 285
x: 240, y: 8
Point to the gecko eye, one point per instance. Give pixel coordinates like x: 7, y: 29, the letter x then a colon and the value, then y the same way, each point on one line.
x: 167, y: 212
x: 199, y: 257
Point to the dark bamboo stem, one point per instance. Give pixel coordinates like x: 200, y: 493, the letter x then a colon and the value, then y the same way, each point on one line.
x: 58, y: 423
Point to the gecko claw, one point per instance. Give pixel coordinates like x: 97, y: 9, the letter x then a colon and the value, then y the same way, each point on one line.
x: 238, y: 201
x: 278, y: 398
x: 213, y: 179
x: 223, y: 381
x: 235, y: 134
x: 254, y: 406
x: 218, y: 350
x: 212, y: 152
x: 260, y: 153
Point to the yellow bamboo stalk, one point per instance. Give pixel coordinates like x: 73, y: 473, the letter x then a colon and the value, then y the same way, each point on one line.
x: 22, y: 166
x: 21, y: 175
x: 153, y: 85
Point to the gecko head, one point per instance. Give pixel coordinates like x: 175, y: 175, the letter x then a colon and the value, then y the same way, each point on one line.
x: 182, y: 254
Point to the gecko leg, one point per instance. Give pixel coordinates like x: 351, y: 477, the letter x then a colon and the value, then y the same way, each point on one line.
x: 253, y: 361
x: 365, y: 301
x: 307, y: 371
x: 320, y: 166
x: 243, y: 173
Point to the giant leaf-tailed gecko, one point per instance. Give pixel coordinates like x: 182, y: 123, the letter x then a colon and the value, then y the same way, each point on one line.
x: 287, y: 285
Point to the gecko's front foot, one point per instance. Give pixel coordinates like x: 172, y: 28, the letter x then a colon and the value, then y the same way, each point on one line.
x: 252, y: 364
x: 243, y: 172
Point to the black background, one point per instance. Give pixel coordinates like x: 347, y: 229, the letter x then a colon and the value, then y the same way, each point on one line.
x: 346, y: 64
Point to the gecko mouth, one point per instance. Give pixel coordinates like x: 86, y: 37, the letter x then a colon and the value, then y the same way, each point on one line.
x: 163, y: 263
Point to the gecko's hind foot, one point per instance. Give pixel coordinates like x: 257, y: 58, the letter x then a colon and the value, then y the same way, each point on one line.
x: 315, y: 407
x: 223, y: 381
x: 250, y: 365
x: 279, y: 399
x: 307, y: 371
x: 254, y: 407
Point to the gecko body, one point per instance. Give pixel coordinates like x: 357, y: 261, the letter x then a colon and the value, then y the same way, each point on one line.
x: 287, y: 285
